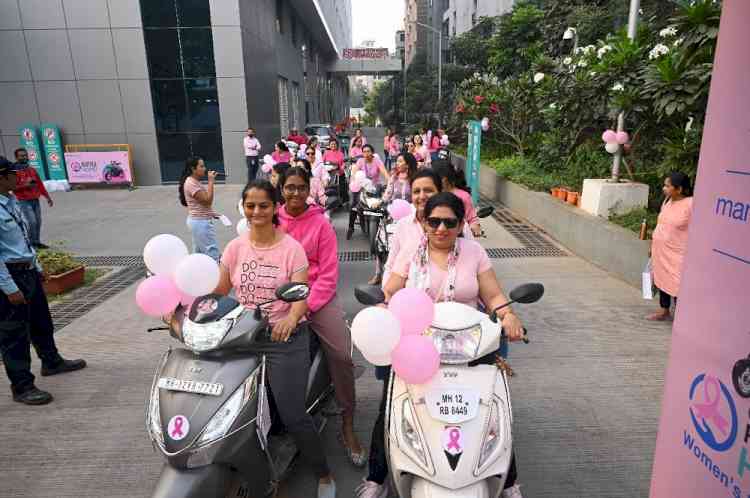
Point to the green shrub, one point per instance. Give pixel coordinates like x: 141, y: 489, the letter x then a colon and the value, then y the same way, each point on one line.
x: 56, y: 261
x: 632, y: 220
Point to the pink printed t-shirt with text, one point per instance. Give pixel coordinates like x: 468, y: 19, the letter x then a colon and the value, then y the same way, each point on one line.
x: 257, y: 272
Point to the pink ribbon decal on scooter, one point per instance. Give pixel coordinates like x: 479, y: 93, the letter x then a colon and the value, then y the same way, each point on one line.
x: 454, y: 436
x: 710, y: 409
x: 177, y: 429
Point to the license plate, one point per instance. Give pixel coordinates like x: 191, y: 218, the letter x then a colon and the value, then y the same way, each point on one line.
x: 453, y: 406
x: 190, y: 386
x: 373, y: 213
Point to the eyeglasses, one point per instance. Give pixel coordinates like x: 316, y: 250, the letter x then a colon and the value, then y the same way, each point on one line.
x: 295, y: 189
x: 311, y: 153
x: 434, y: 222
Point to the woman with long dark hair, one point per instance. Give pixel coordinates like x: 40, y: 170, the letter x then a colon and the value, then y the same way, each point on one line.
x: 287, y: 347
x: 670, y: 241
x: 199, y: 200
x: 309, y: 226
x: 455, y: 184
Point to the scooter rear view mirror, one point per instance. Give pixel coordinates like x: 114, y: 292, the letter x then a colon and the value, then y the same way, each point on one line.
x: 293, y: 292
x: 527, y: 293
x: 485, y: 211
x: 369, y: 295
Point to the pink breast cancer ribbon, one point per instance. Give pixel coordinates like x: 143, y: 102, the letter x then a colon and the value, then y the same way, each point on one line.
x: 710, y: 409
x: 177, y: 429
x: 454, y: 436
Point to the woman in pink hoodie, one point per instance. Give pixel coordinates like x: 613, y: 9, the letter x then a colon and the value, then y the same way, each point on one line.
x: 308, y: 225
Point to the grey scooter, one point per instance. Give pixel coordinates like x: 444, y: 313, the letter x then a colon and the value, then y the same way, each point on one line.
x: 211, y: 412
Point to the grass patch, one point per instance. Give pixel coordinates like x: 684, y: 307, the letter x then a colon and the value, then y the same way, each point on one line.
x: 632, y: 220
x: 89, y: 277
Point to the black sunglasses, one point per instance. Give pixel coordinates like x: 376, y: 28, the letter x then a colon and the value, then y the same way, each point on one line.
x: 434, y: 222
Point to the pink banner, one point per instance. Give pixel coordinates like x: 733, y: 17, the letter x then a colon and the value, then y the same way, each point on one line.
x: 703, y: 446
x: 98, y: 167
x: 365, y: 53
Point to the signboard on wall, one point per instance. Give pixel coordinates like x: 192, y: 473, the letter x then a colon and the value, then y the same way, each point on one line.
x: 703, y: 443
x: 110, y: 167
x: 29, y: 140
x: 365, y: 53
x: 53, y: 151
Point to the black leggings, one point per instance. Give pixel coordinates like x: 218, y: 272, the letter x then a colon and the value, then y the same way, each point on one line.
x: 378, y: 463
x: 665, y: 300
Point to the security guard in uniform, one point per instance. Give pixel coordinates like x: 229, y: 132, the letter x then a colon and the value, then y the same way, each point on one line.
x: 24, y: 312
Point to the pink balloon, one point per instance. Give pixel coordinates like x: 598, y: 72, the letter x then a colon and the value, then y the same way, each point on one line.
x: 266, y: 167
x: 609, y: 136
x: 416, y: 359
x: 621, y: 137
x: 157, y: 296
x: 414, y: 310
x: 399, y: 209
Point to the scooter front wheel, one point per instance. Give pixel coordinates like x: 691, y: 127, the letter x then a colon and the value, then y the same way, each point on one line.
x: 421, y: 488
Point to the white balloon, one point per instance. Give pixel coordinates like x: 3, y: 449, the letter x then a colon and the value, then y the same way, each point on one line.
x: 242, y: 227
x: 268, y: 159
x: 197, y: 275
x: 612, y: 147
x: 376, y: 332
x: 162, y: 253
x: 485, y: 124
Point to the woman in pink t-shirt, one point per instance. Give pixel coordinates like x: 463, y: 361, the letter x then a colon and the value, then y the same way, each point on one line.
x: 355, y: 151
x: 281, y: 153
x: 199, y: 200
x: 421, y: 152
x: 255, y: 265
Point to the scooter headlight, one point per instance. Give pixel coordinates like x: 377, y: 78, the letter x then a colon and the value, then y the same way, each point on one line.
x: 411, y: 437
x: 223, y: 419
x: 491, y: 440
x: 456, y: 346
x: 201, y: 337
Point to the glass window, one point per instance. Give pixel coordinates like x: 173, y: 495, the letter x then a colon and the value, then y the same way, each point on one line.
x: 203, y: 102
x: 279, y: 16
x: 197, y: 52
x: 163, y: 50
x: 192, y: 13
x: 169, y: 105
x: 174, y: 149
x: 208, y: 146
x: 158, y: 14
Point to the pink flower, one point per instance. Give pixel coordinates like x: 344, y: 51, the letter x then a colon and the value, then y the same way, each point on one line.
x: 494, y: 109
x: 460, y: 108
x: 478, y: 99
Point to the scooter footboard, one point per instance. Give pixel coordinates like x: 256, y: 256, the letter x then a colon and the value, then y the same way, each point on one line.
x: 421, y: 488
x: 204, y: 482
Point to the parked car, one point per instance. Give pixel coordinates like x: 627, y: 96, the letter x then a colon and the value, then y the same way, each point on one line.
x: 323, y: 132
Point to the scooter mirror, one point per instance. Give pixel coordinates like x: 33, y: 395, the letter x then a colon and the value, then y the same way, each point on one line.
x: 369, y: 295
x: 485, y: 211
x: 527, y: 293
x: 292, y: 292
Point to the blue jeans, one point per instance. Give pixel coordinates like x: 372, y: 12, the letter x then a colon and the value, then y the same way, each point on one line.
x: 32, y: 211
x: 204, y: 237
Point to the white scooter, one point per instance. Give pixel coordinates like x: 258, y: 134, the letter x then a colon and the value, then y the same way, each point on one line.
x: 452, y: 437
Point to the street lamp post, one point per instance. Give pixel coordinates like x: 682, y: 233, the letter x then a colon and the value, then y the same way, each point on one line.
x: 440, y: 60
x: 632, y: 31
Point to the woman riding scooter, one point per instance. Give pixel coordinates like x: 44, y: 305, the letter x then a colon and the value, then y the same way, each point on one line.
x: 308, y: 225
x: 374, y: 169
x: 448, y: 268
x: 264, y: 259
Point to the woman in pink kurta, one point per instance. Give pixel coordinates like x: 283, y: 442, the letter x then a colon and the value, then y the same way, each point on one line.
x: 670, y: 242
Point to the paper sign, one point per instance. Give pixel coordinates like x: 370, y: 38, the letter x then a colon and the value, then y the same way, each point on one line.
x: 29, y: 140
x: 647, y: 281
x: 111, y: 167
x: 53, y: 151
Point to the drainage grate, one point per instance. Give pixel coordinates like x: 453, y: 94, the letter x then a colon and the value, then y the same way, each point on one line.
x: 111, y: 260
x: 354, y: 256
x: 81, y: 301
x: 525, y: 252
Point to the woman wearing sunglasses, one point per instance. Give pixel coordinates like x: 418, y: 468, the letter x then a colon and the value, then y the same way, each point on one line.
x: 448, y: 268
x: 308, y: 225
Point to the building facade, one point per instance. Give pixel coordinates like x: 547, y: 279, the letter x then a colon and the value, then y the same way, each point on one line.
x: 418, y: 38
x: 462, y: 15
x: 172, y: 78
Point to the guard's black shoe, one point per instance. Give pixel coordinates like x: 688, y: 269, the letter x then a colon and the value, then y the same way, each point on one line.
x: 33, y: 396
x: 63, y: 367
x: 39, y: 245
x: 349, y: 234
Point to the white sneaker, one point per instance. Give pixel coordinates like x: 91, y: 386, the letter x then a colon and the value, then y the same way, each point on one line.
x: 327, y: 490
x: 512, y: 492
x: 370, y: 489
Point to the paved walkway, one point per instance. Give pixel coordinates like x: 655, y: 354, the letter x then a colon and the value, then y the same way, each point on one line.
x: 586, y: 396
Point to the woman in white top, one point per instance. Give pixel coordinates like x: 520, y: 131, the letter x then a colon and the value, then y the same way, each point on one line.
x: 199, y: 199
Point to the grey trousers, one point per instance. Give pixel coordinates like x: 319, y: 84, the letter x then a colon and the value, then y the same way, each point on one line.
x: 288, y: 365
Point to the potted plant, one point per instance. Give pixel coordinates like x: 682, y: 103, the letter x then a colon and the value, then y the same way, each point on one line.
x: 61, y: 270
x: 562, y: 193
